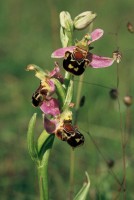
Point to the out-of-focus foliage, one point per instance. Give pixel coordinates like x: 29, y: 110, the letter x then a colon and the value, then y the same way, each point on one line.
x: 29, y: 33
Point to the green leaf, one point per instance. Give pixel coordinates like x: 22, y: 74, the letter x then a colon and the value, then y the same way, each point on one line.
x: 82, y: 194
x: 45, y: 142
x: 30, y: 139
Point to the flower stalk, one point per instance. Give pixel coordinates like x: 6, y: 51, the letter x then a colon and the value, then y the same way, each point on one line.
x: 60, y: 91
x: 43, y: 164
x: 69, y: 88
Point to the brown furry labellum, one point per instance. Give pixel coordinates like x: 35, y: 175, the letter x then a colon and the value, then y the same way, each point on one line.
x: 67, y: 132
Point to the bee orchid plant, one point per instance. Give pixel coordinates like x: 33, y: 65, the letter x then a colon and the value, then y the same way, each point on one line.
x: 55, y: 91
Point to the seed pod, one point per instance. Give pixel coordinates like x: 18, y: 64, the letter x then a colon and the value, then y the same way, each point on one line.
x: 128, y: 100
x: 110, y: 163
x: 130, y: 27
x: 113, y: 93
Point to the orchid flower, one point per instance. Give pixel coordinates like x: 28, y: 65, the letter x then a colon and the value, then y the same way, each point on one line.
x: 43, y: 95
x: 62, y: 127
x: 56, y: 122
x: 95, y: 61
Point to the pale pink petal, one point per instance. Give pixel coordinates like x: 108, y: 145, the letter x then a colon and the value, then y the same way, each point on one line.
x: 60, y: 53
x: 51, y: 107
x: 96, y: 34
x: 50, y: 125
x: 55, y: 73
x: 99, y: 61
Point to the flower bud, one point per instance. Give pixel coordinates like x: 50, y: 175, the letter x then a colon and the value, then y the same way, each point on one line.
x: 66, y: 28
x: 84, y: 19
x: 64, y: 37
x: 66, y: 21
x: 128, y: 100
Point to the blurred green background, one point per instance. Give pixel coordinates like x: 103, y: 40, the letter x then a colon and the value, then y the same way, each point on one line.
x: 29, y: 33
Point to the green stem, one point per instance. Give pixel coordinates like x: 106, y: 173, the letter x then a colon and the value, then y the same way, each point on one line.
x: 69, y: 93
x: 43, y: 166
x: 68, y: 87
x: 72, y: 158
x: 72, y: 154
x: 79, y: 91
x: 78, y: 98
x: 60, y: 91
x: 75, y: 122
x: 43, y: 194
x: 67, y: 79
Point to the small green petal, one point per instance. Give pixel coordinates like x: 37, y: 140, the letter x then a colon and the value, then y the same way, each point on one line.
x: 39, y: 73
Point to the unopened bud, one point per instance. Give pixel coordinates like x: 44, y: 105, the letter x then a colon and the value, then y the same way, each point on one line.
x: 66, y: 21
x: 66, y: 28
x: 64, y: 37
x: 128, y: 100
x: 84, y: 19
